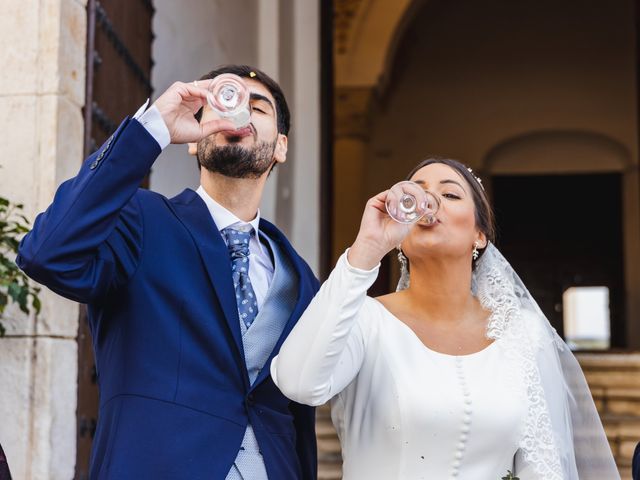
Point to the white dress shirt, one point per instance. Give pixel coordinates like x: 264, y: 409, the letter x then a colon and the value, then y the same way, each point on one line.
x: 260, y: 263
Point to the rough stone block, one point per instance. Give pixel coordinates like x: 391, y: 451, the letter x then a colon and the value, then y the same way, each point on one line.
x: 44, y: 149
x: 53, y: 443
x: 627, y: 448
x: 623, y: 407
x: 612, y: 379
x: 16, y: 409
x: 50, y: 35
x: 72, y: 59
x: 19, y: 53
x: 626, y: 393
x: 630, y: 429
x: 39, y: 396
x: 19, y: 150
x: 58, y: 317
x: 50, y: 49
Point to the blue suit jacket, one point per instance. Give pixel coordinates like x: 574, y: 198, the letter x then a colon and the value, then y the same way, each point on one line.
x: 175, y: 396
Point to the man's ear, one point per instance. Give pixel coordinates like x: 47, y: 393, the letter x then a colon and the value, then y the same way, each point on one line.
x: 193, y: 148
x: 280, y: 153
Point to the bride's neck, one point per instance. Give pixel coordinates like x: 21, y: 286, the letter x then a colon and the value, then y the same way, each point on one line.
x: 441, y: 289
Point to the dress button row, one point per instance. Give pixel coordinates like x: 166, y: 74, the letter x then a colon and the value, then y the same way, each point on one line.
x: 466, y: 420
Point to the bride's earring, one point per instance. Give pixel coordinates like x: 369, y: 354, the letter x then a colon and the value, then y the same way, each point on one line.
x: 475, y: 254
x: 404, y: 271
x: 403, y: 262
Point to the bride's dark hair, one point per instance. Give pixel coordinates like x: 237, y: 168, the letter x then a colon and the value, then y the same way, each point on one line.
x: 485, y: 220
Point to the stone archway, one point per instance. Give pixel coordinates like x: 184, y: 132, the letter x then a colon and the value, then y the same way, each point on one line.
x: 557, y: 151
x: 569, y: 152
x: 485, y: 82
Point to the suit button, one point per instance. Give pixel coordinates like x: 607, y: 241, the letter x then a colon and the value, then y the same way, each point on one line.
x: 94, y: 164
x: 251, y: 401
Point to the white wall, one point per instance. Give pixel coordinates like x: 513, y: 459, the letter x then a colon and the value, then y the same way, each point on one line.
x: 280, y: 37
x: 191, y: 39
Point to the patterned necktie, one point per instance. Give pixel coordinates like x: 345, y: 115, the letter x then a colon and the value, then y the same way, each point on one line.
x: 238, y: 245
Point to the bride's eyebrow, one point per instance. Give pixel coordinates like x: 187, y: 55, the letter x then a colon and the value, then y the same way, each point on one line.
x: 422, y: 182
x: 454, y: 182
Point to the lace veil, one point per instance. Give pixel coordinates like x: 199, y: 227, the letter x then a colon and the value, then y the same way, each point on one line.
x: 562, y: 436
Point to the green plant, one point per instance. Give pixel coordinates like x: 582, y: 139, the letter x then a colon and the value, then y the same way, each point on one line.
x: 14, y: 285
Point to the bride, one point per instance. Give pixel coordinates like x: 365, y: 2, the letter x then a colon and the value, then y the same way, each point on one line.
x: 458, y: 374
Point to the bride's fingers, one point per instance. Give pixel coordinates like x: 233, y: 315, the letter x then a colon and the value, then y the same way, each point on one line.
x: 378, y: 202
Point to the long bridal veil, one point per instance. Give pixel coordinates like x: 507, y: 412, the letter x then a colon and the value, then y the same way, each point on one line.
x: 562, y: 436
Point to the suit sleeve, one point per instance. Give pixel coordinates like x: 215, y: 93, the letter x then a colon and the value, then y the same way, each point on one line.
x: 306, y: 447
x: 90, y: 238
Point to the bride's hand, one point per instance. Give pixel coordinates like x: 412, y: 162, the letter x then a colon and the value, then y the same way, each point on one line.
x: 378, y: 234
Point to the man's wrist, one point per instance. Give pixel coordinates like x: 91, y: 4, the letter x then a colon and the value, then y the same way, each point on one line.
x: 152, y: 121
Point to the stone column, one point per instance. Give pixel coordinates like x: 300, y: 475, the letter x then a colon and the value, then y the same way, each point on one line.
x: 297, y: 200
x: 350, y: 147
x: 41, y: 95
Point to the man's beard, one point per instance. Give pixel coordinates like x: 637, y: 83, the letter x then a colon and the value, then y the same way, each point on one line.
x: 235, y: 160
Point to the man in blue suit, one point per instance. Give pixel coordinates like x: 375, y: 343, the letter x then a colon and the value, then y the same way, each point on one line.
x: 189, y: 298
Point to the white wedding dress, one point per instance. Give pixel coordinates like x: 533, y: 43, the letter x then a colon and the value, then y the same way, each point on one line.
x: 402, y: 410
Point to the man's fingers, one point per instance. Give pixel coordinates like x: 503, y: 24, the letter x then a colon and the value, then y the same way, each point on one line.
x: 202, y: 83
x: 214, y: 126
x: 193, y: 91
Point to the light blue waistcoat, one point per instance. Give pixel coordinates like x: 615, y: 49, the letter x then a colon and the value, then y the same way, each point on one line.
x: 258, y: 342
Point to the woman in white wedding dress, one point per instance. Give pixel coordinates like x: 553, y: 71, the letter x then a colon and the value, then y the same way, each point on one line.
x: 458, y: 374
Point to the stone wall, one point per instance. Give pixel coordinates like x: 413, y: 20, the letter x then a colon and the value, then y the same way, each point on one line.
x: 615, y: 384
x: 41, y: 95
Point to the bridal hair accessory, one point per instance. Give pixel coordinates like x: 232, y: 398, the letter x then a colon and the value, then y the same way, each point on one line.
x: 476, y: 177
x: 475, y: 254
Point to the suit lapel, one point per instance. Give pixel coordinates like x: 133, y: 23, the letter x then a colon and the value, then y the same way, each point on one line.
x: 194, y: 215
x: 305, y: 292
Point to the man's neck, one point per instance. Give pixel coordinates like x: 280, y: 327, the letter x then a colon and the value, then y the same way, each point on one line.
x: 241, y: 196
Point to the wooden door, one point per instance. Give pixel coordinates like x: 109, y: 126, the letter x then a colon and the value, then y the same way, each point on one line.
x: 119, y: 36
x: 560, y: 231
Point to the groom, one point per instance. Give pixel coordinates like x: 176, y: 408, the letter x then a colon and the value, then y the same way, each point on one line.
x: 189, y: 298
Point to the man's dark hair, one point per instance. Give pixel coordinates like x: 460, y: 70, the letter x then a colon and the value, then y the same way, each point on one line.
x: 245, y: 71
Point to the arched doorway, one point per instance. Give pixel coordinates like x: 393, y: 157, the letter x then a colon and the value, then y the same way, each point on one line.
x: 465, y: 79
